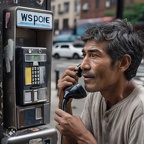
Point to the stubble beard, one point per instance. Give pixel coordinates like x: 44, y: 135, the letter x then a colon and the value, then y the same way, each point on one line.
x: 91, y: 88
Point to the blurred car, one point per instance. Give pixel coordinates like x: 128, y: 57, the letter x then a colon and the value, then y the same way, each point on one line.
x: 67, y: 50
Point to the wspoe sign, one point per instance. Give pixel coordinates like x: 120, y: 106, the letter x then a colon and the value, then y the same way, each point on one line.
x: 31, y: 19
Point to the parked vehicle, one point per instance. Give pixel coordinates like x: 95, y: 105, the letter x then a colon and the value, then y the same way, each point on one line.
x: 67, y: 50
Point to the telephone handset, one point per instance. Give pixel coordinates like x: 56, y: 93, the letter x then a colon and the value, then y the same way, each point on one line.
x: 79, y: 72
x: 75, y: 91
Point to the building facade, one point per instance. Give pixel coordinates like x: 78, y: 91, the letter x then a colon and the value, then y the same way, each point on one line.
x: 71, y: 15
x: 66, y: 13
x: 98, y: 8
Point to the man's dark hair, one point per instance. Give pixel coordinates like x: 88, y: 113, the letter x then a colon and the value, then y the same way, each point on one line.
x: 121, y: 39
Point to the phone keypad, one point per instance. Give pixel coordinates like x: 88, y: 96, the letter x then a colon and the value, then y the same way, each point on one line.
x: 35, y: 75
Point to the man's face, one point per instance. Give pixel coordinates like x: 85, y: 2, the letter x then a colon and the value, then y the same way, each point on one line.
x: 98, y: 73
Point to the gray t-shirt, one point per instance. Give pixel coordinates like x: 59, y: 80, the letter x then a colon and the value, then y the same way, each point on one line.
x: 121, y: 124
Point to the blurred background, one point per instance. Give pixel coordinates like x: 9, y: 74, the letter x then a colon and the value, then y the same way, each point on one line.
x: 73, y: 17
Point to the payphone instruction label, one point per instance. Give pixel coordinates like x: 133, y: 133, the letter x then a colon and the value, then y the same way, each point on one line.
x: 31, y: 19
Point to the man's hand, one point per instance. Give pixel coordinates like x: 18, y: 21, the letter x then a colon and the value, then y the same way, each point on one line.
x: 69, y: 78
x: 72, y: 126
x: 68, y: 124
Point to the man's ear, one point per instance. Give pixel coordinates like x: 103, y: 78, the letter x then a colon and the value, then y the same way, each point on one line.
x: 124, y: 62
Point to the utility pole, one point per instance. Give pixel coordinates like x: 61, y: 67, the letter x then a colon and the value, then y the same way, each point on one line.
x: 120, y: 9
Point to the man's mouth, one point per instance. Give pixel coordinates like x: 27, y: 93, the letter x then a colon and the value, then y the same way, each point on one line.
x: 87, y: 77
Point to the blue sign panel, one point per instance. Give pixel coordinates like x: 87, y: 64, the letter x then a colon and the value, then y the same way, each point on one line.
x: 31, y: 19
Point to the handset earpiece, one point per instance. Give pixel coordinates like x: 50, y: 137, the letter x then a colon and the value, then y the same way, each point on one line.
x: 79, y: 72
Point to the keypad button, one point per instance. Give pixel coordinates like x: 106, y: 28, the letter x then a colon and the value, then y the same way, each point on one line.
x: 35, y: 75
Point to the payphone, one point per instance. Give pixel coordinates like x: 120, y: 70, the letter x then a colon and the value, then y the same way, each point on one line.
x: 31, y: 75
x: 27, y: 76
x: 31, y: 87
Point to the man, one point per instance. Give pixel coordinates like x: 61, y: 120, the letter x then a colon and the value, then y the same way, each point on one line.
x: 114, y: 108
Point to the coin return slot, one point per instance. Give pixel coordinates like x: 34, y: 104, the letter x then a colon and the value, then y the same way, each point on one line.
x: 35, y: 96
x: 38, y: 113
x: 27, y: 97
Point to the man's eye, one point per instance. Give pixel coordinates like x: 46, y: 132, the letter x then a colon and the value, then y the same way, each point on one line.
x: 94, y: 55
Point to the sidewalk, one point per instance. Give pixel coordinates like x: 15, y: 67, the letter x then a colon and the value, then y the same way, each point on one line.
x: 54, y: 103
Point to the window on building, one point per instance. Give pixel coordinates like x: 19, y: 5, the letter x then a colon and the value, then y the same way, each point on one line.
x: 131, y: 1
x: 59, y: 9
x: 53, y: 9
x: 111, y: 3
x: 97, y: 3
x: 66, y: 7
x: 56, y: 24
x: 76, y: 6
x: 85, y: 6
x: 65, y: 24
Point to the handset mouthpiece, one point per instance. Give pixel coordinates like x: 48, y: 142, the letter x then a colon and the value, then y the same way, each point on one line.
x: 75, y: 91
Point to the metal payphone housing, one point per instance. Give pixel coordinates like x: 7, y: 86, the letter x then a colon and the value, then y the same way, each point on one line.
x: 31, y: 77
x: 27, y: 70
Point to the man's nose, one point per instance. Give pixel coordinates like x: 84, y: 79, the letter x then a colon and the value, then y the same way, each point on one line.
x: 85, y: 64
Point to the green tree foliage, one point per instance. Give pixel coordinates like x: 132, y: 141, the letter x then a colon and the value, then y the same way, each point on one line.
x: 134, y: 12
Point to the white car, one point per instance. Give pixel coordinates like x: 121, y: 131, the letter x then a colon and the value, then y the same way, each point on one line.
x: 67, y: 50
